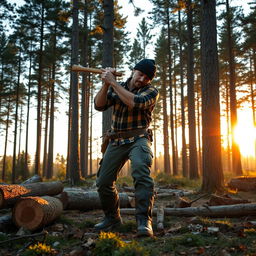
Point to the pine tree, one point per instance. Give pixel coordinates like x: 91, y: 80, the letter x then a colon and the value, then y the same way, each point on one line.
x: 212, y: 163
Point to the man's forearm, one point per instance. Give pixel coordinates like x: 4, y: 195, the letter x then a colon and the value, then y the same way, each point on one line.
x: 125, y: 96
x: 101, y: 96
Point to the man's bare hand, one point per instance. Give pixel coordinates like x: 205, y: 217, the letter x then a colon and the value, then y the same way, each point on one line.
x: 107, y: 76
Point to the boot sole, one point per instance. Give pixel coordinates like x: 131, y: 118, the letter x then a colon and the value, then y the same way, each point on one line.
x: 144, y: 234
x: 109, y: 228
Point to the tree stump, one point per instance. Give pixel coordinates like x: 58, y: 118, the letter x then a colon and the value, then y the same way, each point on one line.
x: 9, y: 194
x: 33, y: 213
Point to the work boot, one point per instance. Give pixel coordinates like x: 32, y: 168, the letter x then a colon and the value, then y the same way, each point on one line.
x: 144, y: 227
x: 108, y: 223
x: 110, y: 205
x: 144, y: 204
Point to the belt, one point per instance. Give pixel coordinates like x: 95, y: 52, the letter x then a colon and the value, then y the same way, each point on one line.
x: 128, y: 134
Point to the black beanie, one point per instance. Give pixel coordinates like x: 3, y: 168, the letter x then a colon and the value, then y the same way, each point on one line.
x: 147, y: 66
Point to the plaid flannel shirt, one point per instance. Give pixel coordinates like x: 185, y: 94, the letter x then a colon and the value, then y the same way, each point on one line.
x: 125, y: 118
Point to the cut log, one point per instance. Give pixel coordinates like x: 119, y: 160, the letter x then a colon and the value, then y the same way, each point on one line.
x: 89, y: 200
x: 226, y: 200
x: 243, y: 183
x: 9, y: 194
x: 238, y: 210
x: 33, y: 179
x: 63, y: 197
x: 33, y: 213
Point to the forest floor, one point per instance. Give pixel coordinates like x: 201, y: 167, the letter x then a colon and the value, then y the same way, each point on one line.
x: 72, y: 234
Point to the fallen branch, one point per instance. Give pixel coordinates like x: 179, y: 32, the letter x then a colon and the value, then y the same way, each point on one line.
x: 160, y: 218
x: 237, y: 210
x: 43, y: 233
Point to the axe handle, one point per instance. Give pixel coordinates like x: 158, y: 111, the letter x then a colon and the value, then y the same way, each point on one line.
x: 91, y: 70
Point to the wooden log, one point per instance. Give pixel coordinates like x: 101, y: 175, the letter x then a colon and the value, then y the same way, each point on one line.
x: 33, y: 213
x: 33, y: 179
x: 9, y: 194
x: 160, y: 218
x: 63, y: 197
x: 243, y: 183
x: 237, y: 210
x: 89, y: 200
x: 226, y: 200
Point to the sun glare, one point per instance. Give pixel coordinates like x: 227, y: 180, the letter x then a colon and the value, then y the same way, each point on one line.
x: 245, y: 135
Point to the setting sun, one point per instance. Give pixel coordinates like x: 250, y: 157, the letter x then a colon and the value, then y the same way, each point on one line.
x: 245, y: 134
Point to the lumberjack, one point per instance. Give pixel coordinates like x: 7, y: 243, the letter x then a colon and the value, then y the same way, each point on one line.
x: 129, y: 138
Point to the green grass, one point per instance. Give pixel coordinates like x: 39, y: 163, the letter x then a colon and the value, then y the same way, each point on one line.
x: 179, y: 182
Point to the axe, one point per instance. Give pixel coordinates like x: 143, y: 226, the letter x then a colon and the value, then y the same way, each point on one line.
x: 91, y: 70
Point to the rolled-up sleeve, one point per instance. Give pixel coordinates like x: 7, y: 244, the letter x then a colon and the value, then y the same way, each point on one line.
x: 146, y: 99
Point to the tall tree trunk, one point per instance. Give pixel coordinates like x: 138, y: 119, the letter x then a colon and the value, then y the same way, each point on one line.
x: 108, y: 50
x: 176, y: 120
x: 236, y: 156
x: 199, y: 129
x: 74, y: 138
x: 167, y: 167
x: 174, y: 146
x: 252, y: 100
x: 6, y: 138
x: 183, y: 121
x: 228, y: 128
x: 16, y: 122
x: 39, y: 94
x: 45, y: 156
x: 85, y: 100
x: 154, y: 132
x: 193, y: 163
x: 91, y: 114
x: 49, y: 172
x: 212, y: 165
x: 28, y: 115
x: 68, y: 171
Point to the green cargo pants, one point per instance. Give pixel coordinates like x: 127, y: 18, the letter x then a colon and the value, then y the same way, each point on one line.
x: 140, y: 154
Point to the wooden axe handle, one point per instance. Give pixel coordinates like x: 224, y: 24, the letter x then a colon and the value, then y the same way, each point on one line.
x: 91, y: 70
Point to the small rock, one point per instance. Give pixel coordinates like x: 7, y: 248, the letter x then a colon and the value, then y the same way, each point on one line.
x: 23, y: 231
x: 78, y: 251
x: 57, y: 227
x: 55, y: 244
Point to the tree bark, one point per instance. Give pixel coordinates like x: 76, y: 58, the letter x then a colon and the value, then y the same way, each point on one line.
x: 167, y: 166
x: 85, y: 201
x: 16, y: 121
x: 193, y: 163
x: 39, y: 93
x: 183, y: 121
x: 33, y: 213
x: 236, y: 155
x: 108, y: 50
x: 212, y: 166
x: 226, y: 211
x: 85, y: 100
x: 74, y: 138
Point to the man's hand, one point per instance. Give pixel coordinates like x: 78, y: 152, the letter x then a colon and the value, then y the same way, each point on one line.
x: 107, y: 76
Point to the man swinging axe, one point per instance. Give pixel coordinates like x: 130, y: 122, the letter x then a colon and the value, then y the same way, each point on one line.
x: 130, y: 138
